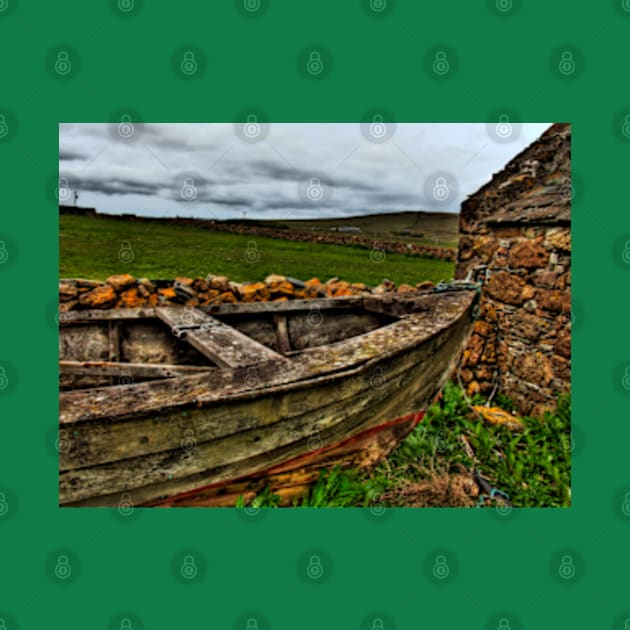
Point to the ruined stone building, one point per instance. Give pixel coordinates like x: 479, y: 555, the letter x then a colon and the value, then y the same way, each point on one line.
x: 519, y: 226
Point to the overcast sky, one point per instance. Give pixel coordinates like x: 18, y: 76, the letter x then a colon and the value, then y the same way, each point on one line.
x: 282, y: 170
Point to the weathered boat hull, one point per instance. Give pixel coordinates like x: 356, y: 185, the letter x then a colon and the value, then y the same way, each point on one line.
x: 179, y: 444
x: 291, y: 480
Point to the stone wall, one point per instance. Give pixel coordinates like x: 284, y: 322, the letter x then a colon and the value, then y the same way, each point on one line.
x: 126, y: 291
x: 519, y: 227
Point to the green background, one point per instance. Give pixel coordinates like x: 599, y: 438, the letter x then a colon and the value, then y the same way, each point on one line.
x: 255, y: 566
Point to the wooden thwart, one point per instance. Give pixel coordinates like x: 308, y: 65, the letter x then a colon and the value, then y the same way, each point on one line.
x: 222, y: 344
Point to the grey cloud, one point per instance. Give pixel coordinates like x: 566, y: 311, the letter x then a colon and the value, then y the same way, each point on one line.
x: 232, y: 176
x: 68, y: 155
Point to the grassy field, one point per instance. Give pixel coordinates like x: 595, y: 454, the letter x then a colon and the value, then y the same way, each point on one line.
x: 97, y: 247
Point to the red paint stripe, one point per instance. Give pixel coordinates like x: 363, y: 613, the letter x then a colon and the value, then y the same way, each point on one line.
x: 415, y: 418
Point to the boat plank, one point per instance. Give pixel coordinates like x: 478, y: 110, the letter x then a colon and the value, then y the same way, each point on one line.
x: 223, y: 344
x: 240, y: 308
x: 90, y: 444
x: 135, y: 370
x: 291, y: 480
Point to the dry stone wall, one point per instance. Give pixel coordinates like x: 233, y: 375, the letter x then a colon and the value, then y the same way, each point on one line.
x: 516, y: 232
x: 126, y: 291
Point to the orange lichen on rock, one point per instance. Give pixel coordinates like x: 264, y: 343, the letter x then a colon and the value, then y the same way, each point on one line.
x: 101, y: 297
x: 121, y: 281
x: 130, y: 299
x: 167, y: 292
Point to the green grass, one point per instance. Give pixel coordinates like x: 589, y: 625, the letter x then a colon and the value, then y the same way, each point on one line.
x: 97, y: 247
x: 533, y: 466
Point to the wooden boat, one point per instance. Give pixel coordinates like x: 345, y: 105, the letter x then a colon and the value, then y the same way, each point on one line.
x: 179, y: 406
